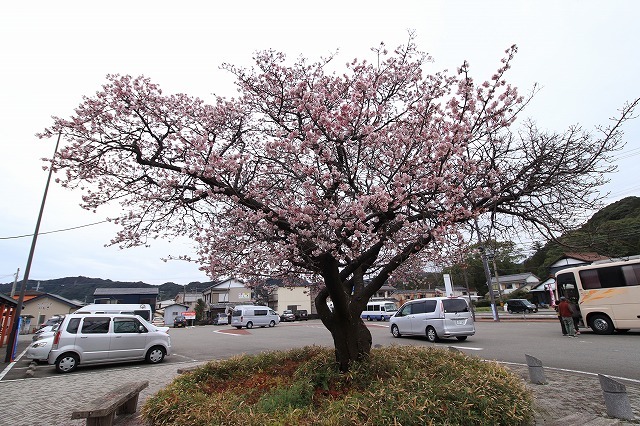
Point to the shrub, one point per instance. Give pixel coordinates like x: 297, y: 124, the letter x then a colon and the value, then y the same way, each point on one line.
x: 482, y: 303
x: 401, y: 385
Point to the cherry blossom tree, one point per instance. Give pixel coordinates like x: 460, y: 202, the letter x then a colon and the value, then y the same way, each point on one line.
x: 345, y: 178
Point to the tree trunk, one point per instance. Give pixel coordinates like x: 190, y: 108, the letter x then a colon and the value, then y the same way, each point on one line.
x: 352, y: 341
x: 351, y: 337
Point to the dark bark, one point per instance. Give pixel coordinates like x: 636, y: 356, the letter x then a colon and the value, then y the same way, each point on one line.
x: 351, y: 337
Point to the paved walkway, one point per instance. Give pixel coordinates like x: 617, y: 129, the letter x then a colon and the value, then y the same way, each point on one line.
x: 569, y: 399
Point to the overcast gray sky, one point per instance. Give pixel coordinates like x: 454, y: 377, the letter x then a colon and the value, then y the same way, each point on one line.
x: 582, y: 53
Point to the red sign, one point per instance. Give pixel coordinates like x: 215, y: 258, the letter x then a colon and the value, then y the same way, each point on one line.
x: 190, y: 315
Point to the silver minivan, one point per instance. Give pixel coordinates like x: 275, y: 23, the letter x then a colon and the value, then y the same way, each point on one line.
x: 434, y: 317
x: 253, y: 315
x: 84, y: 339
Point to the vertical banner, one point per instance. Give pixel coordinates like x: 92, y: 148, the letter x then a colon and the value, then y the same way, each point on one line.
x: 14, y: 351
x: 448, y: 288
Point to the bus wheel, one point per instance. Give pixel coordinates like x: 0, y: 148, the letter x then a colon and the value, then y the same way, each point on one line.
x: 601, y: 324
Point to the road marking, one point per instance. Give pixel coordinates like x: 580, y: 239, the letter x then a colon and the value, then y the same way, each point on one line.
x: 467, y: 348
x: 233, y: 332
x: 11, y: 364
x: 377, y: 325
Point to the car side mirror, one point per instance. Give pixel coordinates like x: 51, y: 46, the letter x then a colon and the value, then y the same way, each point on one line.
x: 141, y: 329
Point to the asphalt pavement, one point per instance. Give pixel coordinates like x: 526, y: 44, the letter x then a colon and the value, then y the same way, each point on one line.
x: 569, y: 398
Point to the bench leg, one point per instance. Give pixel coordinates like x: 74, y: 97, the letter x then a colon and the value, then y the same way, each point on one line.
x: 101, y: 421
x: 130, y: 406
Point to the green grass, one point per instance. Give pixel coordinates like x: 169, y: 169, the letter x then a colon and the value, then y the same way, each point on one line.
x: 400, y: 385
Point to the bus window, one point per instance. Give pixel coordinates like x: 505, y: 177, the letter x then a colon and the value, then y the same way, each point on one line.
x: 607, y: 277
x: 631, y: 274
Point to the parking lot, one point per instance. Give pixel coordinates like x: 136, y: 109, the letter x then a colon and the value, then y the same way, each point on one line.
x: 507, y: 341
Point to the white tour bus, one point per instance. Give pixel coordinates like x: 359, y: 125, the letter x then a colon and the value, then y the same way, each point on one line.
x: 380, y: 310
x: 608, y: 294
x: 141, y: 309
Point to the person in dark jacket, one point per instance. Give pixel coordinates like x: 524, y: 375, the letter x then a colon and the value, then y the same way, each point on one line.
x: 564, y: 310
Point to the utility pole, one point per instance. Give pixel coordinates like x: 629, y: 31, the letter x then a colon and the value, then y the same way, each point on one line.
x: 466, y: 283
x: 15, y: 282
x: 13, y: 336
x: 487, y: 274
x: 495, y: 272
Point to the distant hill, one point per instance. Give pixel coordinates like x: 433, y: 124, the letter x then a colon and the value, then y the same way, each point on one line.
x: 82, y: 288
x: 614, y: 231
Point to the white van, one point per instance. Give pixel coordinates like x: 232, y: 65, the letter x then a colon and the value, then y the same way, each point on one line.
x: 88, y: 338
x: 142, y: 309
x: 380, y: 310
x: 434, y: 317
x: 253, y: 315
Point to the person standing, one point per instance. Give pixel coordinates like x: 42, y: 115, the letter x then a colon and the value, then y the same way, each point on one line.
x: 564, y: 310
x: 577, y: 316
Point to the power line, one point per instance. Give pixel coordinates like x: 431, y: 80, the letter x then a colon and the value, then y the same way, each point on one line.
x: 52, y: 232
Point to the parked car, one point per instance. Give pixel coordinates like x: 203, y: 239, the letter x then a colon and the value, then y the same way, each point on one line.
x: 301, y: 315
x: 39, y: 350
x: 434, y: 317
x: 107, y: 338
x: 520, y: 305
x: 56, y: 319
x: 287, y: 315
x: 221, y: 319
x: 254, y: 315
x: 46, y: 331
x: 179, y: 321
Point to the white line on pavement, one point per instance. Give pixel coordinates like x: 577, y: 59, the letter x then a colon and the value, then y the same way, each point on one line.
x: 11, y: 364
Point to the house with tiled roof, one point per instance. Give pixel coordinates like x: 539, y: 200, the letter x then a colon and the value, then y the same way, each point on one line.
x: 39, y: 306
x: 506, y: 284
x: 570, y: 260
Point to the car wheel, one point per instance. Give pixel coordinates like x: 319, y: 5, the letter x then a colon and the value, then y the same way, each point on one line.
x: 249, y: 324
x: 395, y: 331
x: 461, y: 338
x: 368, y: 318
x: 66, y: 363
x: 432, y: 336
x: 510, y: 311
x: 601, y: 324
x: 155, y: 355
x: 272, y: 323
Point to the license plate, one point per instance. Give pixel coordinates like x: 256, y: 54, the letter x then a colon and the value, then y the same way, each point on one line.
x: 460, y: 322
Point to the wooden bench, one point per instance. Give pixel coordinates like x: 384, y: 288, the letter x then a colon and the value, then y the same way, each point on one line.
x: 121, y: 400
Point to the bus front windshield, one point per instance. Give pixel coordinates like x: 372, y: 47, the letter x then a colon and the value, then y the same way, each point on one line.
x: 390, y: 307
